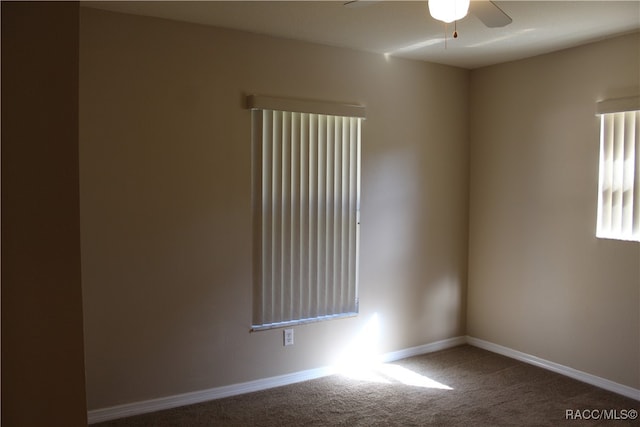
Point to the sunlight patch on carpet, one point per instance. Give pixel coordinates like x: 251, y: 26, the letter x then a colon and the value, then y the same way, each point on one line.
x: 388, y: 373
x: 361, y: 361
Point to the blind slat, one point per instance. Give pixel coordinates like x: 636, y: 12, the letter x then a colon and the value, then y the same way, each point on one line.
x: 267, y: 212
x: 636, y: 180
x: 313, y: 216
x: 276, y: 280
x: 628, y: 160
x: 322, y: 195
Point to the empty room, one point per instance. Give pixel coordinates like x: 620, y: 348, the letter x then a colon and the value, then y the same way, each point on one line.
x: 320, y: 213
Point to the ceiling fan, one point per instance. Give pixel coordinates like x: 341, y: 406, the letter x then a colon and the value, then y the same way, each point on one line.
x: 453, y: 10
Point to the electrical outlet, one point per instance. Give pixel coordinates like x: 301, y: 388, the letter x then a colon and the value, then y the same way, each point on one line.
x: 288, y: 337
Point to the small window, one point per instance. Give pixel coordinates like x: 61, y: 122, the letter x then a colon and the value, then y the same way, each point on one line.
x: 306, y: 201
x: 619, y: 177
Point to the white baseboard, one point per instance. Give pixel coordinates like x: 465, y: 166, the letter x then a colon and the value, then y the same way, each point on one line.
x: 423, y: 349
x: 603, y: 383
x: 169, y: 402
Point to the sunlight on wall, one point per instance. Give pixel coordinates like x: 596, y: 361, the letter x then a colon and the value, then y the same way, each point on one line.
x: 364, y: 349
x: 362, y: 361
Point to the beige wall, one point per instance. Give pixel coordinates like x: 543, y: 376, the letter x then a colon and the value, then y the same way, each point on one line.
x: 42, y: 347
x: 165, y: 181
x: 539, y: 280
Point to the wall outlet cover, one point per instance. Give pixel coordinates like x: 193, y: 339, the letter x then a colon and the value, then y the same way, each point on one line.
x: 288, y: 337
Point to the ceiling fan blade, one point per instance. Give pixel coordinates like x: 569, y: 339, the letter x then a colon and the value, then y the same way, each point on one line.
x: 490, y: 14
x: 359, y: 3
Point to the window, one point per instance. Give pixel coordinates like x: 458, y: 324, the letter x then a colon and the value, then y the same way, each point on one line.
x: 619, y: 180
x: 306, y: 203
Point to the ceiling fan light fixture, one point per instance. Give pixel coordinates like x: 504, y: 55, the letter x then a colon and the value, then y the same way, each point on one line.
x: 448, y: 10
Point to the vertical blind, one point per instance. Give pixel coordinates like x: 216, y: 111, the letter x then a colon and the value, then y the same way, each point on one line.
x: 619, y: 182
x: 306, y: 198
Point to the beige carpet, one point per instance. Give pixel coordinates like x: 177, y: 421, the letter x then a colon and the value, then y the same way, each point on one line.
x: 486, y: 389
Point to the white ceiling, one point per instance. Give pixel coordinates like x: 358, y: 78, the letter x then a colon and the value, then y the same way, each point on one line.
x: 405, y: 29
